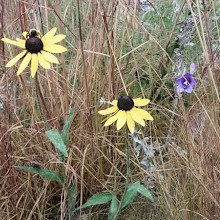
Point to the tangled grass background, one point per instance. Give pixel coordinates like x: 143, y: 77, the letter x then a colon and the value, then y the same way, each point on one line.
x: 150, y: 44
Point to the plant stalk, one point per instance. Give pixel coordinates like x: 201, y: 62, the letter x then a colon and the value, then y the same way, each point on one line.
x: 127, y: 175
x: 61, y: 158
x: 39, y: 104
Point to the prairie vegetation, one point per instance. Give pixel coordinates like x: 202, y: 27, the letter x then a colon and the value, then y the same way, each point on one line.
x: 113, y: 46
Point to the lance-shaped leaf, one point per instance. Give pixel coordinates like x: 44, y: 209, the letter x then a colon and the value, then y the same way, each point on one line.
x: 48, y: 174
x: 97, y: 199
x: 129, y: 196
x: 67, y: 125
x: 132, y: 191
x: 145, y: 192
x: 57, y: 141
x: 113, y: 208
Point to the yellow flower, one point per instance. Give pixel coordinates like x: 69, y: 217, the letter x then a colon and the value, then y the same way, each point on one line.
x: 36, y: 49
x: 125, y: 110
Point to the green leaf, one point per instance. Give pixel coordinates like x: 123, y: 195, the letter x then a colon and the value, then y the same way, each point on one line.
x: 132, y: 191
x: 168, y: 23
x: 67, y: 125
x: 48, y: 174
x: 113, y: 208
x: 57, y: 141
x: 129, y: 197
x: 73, y: 189
x: 73, y: 193
x: 72, y: 198
x: 145, y: 192
x: 97, y: 199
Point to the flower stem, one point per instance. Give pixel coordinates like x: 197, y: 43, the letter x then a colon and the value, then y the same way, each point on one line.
x: 61, y: 158
x: 127, y: 175
x: 39, y: 104
x: 127, y: 159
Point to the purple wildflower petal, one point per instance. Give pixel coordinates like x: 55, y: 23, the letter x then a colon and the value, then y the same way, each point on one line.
x: 180, y: 89
x: 192, y: 68
x: 180, y: 81
x: 193, y: 82
x: 188, y: 77
x: 186, y: 82
x: 188, y: 89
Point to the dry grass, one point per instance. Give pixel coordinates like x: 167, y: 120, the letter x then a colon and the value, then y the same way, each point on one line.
x: 113, y: 45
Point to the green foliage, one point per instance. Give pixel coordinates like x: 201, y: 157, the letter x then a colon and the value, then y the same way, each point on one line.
x: 102, y: 198
x: 129, y: 197
x: 132, y: 191
x: 72, y: 199
x: 217, y: 6
x: 73, y: 195
x: 144, y: 191
x: 73, y: 189
x: 48, y: 174
x: 67, y: 126
x: 57, y: 141
x: 113, y: 208
x: 98, y: 199
x: 168, y: 23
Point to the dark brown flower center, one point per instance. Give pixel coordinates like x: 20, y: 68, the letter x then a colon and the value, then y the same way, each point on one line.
x: 34, y: 45
x: 125, y: 103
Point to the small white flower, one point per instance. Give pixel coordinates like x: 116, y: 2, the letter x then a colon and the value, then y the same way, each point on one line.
x: 101, y: 101
x: 190, y: 44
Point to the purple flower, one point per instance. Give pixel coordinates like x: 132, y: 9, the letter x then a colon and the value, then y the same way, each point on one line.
x: 186, y: 82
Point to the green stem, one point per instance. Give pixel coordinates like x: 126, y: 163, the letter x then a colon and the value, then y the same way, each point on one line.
x: 39, y: 104
x: 69, y: 196
x: 127, y: 175
x: 61, y: 158
x: 127, y: 159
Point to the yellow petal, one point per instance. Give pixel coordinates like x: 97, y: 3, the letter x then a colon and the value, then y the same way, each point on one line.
x: 130, y: 122
x: 24, y: 63
x: 114, y: 102
x: 145, y: 115
x: 34, y: 64
x: 49, y: 57
x: 140, y: 102
x: 20, y: 40
x: 136, y: 116
x: 53, y: 48
x: 121, y: 120
x: 45, y: 64
x: 57, y: 38
x: 15, y: 59
x: 49, y: 34
x: 108, y: 110
x: 16, y: 43
x: 105, y: 119
x: 24, y: 34
x: 54, y: 39
x: 112, y: 119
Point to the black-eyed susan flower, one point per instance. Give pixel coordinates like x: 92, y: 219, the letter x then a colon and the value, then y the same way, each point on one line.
x: 36, y: 49
x: 125, y: 109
